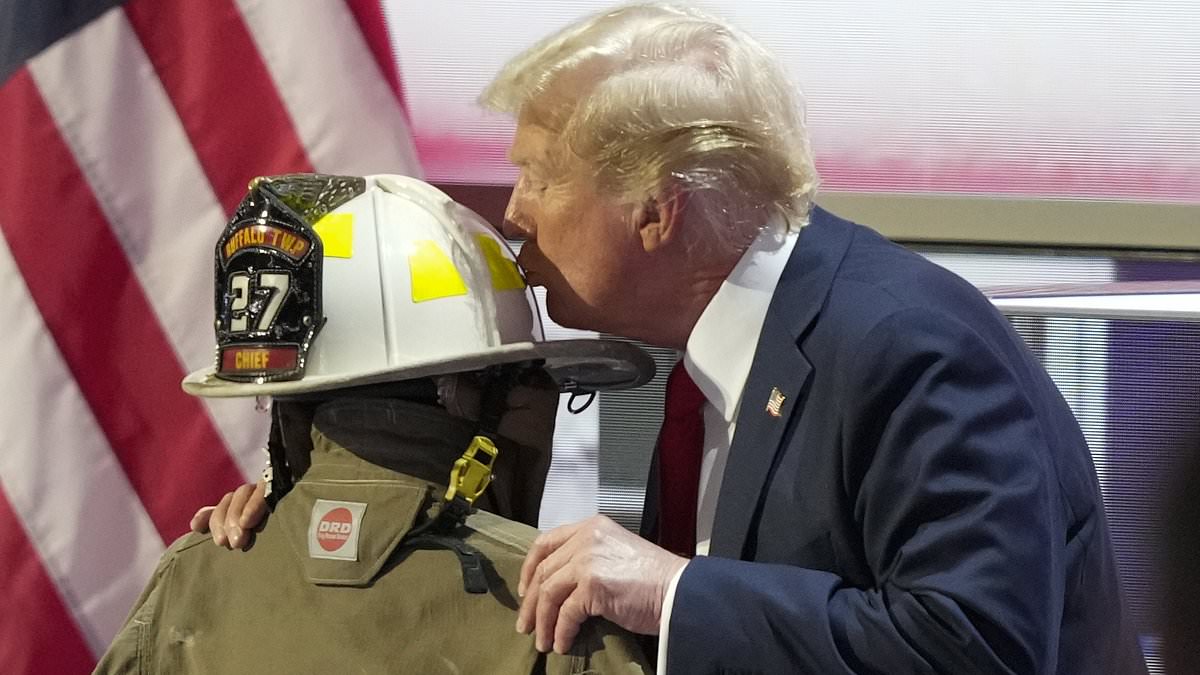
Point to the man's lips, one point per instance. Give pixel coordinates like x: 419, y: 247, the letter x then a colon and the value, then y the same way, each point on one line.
x: 531, y: 276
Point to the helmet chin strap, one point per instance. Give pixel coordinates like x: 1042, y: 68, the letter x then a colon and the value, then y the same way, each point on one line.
x: 498, y: 381
x: 575, y: 408
x: 278, y: 474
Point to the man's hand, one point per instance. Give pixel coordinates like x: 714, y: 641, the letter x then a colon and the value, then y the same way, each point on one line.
x: 592, y: 568
x: 234, y: 518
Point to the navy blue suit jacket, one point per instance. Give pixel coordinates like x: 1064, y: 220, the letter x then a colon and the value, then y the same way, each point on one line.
x: 925, y: 502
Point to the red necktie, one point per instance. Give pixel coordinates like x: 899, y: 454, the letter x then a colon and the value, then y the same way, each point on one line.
x: 680, y: 450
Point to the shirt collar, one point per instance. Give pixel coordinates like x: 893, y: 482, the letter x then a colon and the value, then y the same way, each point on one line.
x: 721, y: 346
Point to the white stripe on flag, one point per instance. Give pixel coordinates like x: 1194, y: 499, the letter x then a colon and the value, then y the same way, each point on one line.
x: 344, y: 111
x: 79, y: 510
x: 129, y: 143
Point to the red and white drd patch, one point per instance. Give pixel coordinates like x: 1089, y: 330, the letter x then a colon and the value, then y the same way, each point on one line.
x: 333, y: 529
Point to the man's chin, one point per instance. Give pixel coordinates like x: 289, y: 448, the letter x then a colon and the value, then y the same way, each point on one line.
x: 566, y: 315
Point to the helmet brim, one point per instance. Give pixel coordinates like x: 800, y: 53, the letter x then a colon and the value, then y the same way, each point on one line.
x: 576, y: 365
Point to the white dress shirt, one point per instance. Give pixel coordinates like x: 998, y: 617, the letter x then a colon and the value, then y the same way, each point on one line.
x: 719, y: 353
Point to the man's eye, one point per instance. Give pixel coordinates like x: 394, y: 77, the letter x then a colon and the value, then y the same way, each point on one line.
x: 533, y: 183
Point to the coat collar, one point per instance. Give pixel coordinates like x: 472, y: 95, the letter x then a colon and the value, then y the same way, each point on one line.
x: 778, y: 377
x: 808, y: 276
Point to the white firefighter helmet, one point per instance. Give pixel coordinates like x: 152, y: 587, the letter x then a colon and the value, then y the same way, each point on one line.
x: 328, y: 282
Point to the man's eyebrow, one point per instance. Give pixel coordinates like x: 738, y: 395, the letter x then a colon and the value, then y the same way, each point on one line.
x: 517, y: 158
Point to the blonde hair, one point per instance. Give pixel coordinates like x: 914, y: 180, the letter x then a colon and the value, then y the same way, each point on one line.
x: 658, y: 98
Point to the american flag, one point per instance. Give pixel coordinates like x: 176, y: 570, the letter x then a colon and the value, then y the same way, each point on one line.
x: 775, y: 402
x: 128, y: 132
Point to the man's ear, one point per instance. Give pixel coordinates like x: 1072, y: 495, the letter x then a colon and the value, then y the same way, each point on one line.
x: 660, y: 220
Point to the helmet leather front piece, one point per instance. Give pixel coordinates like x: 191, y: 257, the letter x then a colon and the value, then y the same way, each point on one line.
x: 268, y: 273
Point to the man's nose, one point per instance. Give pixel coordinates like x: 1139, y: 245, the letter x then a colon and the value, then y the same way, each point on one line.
x: 512, y: 227
x: 511, y: 230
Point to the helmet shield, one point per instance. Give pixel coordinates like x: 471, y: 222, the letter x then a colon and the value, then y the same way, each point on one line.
x: 268, y: 267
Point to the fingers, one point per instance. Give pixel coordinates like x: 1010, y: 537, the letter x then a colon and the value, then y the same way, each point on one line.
x: 594, y: 568
x: 237, y: 538
x: 216, y: 521
x: 199, y: 523
x: 232, y: 519
x: 571, y: 616
x: 542, y: 547
x: 256, y: 507
x: 558, y: 578
x: 535, y: 611
x: 555, y: 590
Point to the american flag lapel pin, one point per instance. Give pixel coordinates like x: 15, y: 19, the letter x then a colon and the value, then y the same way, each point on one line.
x: 775, y: 402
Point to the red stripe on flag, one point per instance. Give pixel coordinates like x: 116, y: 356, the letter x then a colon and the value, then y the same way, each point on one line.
x: 222, y: 91
x: 369, y: 16
x: 104, y: 326
x: 37, y: 633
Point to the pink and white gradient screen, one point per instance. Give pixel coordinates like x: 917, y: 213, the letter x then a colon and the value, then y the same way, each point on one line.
x: 1039, y: 98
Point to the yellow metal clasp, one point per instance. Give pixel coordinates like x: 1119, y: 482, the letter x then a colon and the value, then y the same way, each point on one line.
x: 472, y: 472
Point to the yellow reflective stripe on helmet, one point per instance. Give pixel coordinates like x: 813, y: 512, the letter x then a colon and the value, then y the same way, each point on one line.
x: 433, y: 273
x: 505, y: 275
x: 336, y: 231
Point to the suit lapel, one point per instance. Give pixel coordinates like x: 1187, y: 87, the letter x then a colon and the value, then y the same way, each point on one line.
x: 777, y: 378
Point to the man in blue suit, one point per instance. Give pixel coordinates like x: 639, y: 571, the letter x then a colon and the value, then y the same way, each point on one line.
x: 862, y: 468
x: 884, y: 479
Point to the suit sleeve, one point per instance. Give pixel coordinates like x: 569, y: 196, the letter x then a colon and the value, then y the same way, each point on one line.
x: 952, y: 488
